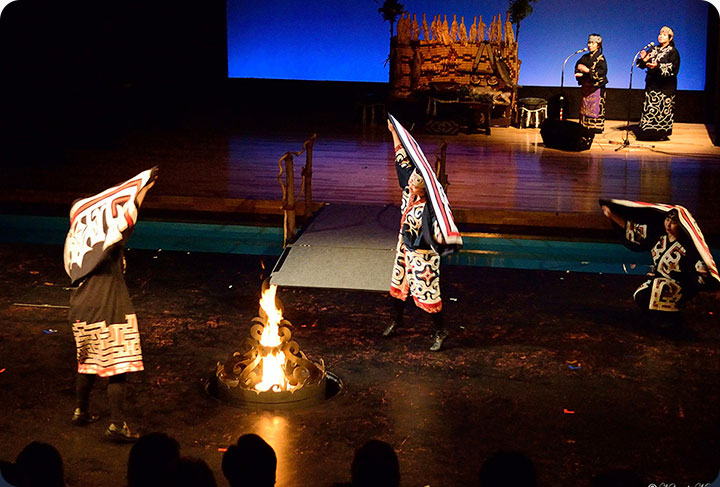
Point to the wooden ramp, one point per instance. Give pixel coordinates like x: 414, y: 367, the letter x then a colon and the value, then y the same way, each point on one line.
x: 345, y: 247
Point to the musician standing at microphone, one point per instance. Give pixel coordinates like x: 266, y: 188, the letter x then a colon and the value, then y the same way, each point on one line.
x: 662, y: 63
x: 591, y: 75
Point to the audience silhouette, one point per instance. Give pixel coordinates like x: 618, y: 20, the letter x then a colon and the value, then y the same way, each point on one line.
x: 153, y: 461
x: 194, y: 472
x: 251, y: 462
x: 7, y: 474
x: 375, y: 465
x: 39, y: 465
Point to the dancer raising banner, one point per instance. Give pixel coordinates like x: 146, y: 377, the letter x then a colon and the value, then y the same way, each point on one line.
x: 682, y: 261
x: 427, y: 231
x: 103, y: 319
x: 452, y: 241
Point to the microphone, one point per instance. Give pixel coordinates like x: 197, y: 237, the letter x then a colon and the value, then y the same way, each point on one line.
x: 562, y: 75
x: 649, y: 45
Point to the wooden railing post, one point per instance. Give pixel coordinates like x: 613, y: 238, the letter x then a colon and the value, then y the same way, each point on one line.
x: 307, y: 174
x: 440, y: 166
x: 288, y: 188
x: 288, y: 200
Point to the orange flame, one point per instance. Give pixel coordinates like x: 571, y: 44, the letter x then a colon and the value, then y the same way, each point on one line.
x: 273, y: 362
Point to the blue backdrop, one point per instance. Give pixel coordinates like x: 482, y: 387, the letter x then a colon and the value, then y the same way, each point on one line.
x: 347, y: 40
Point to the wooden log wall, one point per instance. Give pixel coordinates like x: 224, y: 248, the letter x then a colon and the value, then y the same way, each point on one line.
x: 422, y: 54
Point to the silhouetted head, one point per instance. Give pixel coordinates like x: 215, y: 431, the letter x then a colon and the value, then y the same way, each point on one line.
x: 153, y: 461
x: 375, y: 465
x: 8, y: 474
x: 508, y: 468
x: 250, y: 463
x: 194, y: 472
x: 40, y: 465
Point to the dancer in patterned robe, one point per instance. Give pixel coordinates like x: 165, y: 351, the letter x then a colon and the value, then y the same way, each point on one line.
x: 416, y: 270
x: 103, y: 319
x: 662, y: 63
x: 591, y: 74
x: 682, y: 263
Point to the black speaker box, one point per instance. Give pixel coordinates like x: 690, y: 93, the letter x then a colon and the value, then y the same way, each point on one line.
x: 565, y: 135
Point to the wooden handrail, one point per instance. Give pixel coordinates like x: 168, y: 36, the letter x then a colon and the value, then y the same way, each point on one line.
x: 288, y: 189
x: 307, y: 174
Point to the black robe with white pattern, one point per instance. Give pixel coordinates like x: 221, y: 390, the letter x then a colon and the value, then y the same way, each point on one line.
x: 660, y: 86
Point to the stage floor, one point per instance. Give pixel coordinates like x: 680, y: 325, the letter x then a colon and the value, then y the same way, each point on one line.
x: 555, y: 365
x: 507, y: 181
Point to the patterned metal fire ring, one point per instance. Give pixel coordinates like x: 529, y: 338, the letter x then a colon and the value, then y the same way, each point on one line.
x: 308, y: 395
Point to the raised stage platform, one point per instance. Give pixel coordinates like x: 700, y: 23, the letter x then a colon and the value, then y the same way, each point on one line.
x: 507, y: 182
x: 344, y: 247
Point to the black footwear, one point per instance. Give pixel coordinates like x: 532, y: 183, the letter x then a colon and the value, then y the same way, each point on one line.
x: 438, y: 338
x: 81, y: 418
x: 390, y: 330
x: 121, y: 435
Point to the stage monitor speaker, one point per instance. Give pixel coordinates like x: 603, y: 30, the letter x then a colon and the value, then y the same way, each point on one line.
x: 565, y: 135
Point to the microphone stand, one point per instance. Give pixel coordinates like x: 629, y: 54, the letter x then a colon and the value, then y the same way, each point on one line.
x: 561, y: 100
x: 626, y: 142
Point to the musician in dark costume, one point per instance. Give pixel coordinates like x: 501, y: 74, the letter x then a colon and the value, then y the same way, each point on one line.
x: 591, y: 74
x: 682, y: 263
x: 416, y: 271
x: 662, y: 63
x: 103, y: 319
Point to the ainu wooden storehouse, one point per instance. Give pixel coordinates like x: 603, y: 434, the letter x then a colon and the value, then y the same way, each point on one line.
x: 445, y: 65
